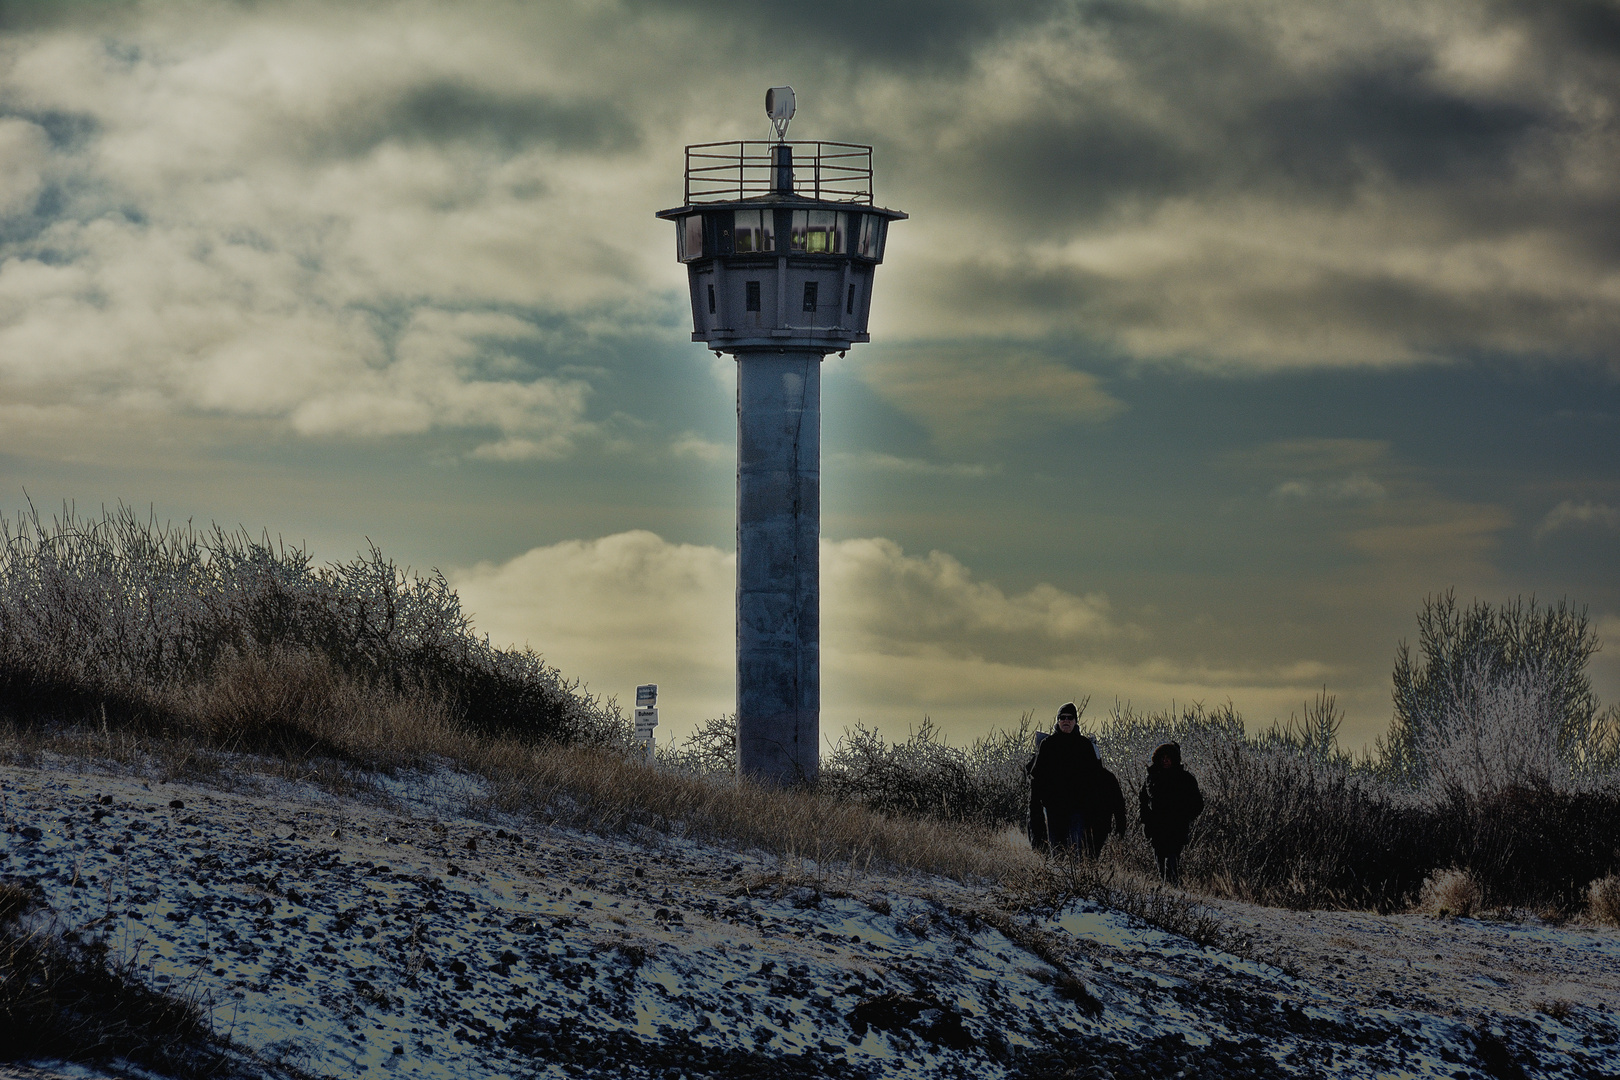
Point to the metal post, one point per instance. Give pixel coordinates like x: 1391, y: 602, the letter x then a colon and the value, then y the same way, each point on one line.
x: 778, y: 564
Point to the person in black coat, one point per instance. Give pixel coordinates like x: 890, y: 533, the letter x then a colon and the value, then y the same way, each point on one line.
x: 1060, y: 779
x: 1040, y: 836
x: 1170, y: 800
x: 1105, y: 805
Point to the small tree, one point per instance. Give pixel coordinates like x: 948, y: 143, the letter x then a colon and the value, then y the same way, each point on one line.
x: 1472, y: 664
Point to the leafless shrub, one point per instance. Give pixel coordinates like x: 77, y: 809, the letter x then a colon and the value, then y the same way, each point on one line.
x: 1603, y: 899
x: 924, y: 776
x: 109, y: 617
x: 711, y: 750
x: 1452, y: 892
x: 1497, y: 696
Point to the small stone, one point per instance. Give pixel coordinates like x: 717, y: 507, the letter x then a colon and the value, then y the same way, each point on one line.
x: 472, y: 843
x: 398, y: 1049
x: 336, y: 835
x: 29, y: 832
x: 176, y: 804
x: 105, y: 800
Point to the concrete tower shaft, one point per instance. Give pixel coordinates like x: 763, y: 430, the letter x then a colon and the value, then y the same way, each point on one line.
x: 778, y: 564
x: 781, y: 247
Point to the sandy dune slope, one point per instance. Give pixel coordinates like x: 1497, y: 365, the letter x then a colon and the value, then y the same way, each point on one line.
x: 414, y: 933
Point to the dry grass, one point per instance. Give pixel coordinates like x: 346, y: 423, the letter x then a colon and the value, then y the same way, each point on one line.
x: 1453, y: 893
x: 606, y: 790
x: 1603, y: 899
x: 1049, y: 886
x: 293, y: 715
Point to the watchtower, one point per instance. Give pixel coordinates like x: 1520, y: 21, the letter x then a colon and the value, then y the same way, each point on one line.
x: 781, y: 241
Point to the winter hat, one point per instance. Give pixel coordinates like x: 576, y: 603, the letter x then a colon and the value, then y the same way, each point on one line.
x: 1170, y: 750
x: 1068, y: 707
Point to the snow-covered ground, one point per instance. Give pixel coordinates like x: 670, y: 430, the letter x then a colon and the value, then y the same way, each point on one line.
x: 416, y: 935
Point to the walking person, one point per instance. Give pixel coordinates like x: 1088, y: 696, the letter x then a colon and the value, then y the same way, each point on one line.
x: 1040, y: 836
x: 1060, y: 778
x: 1105, y: 805
x: 1170, y: 800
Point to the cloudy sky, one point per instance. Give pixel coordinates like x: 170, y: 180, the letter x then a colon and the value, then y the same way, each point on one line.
x: 1220, y: 334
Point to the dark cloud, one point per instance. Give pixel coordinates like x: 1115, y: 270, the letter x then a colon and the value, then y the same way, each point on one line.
x: 1590, y: 27
x: 43, y: 14
x: 447, y: 111
x: 66, y: 130
x: 892, y: 31
x: 1391, y: 121
x: 1232, y: 116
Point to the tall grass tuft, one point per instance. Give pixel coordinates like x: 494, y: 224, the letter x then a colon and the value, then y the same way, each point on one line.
x: 63, y: 997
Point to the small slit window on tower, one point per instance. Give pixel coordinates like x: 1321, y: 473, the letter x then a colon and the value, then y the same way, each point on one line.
x: 810, y: 290
x: 849, y: 305
x: 711, y: 299
x: 751, y: 296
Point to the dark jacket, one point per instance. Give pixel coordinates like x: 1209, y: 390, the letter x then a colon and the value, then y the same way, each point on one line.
x: 1105, y: 804
x: 1063, y: 771
x: 1169, y: 801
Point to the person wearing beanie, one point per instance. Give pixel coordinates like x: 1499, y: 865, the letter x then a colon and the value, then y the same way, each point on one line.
x: 1169, y: 801
x: 1061, y: 777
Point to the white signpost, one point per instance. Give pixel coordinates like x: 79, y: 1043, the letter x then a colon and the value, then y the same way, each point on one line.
x: 646, y: 715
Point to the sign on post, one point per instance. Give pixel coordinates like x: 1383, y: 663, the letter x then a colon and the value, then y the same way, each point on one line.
x: 646, y: 715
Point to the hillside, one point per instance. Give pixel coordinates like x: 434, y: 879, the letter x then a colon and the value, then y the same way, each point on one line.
x: 413, y: 929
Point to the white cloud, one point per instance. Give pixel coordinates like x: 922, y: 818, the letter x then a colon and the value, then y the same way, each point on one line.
x: 1357, y: 487
x: 247, y: 226
x: 902, y: 635
x: 690, y: 444
x: 1575, y: 515
x: 872, y: 461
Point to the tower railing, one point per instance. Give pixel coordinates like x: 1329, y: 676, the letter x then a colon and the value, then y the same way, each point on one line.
x: 728, y: 171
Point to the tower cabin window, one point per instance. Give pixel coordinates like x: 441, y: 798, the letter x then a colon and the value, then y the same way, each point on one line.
x: 870, y: 244
x: 689, y: 238
x: 811, y: 288
x: 755, y: 231
x: 819, y: 232
x: 751, y: 296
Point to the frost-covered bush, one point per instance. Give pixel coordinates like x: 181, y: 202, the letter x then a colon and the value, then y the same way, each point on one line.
x: 711, y: 750
x: 1495, y: 697
x: 111, y: 615
x: 924, y: 776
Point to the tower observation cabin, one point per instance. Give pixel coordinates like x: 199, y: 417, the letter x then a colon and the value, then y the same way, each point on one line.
x: 781, y: 241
